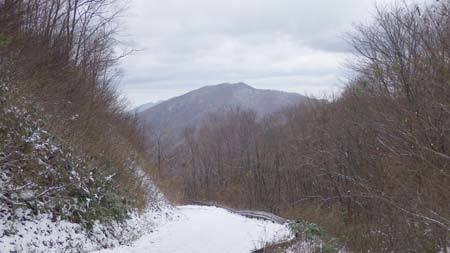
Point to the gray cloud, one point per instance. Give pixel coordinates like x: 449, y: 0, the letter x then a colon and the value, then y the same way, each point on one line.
x: 293, y: 45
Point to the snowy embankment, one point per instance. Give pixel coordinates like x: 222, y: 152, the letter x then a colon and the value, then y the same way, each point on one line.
x: 41, y: 234
x: 23, y: 231
x: 198, y: 229
x: 56, y: 198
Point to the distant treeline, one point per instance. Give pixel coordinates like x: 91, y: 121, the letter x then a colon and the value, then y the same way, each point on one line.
x: 372, y: 166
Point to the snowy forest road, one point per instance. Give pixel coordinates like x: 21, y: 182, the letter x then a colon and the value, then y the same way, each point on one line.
x: 205, y: 229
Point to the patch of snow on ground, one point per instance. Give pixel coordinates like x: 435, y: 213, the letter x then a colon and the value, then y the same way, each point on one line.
x: 41, y: 234
x: 199, y: 229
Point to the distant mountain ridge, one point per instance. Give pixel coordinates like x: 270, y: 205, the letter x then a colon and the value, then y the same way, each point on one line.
x: 144, y: 107
x: 189, y: 110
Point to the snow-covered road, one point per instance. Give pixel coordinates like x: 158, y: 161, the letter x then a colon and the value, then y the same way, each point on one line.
x: 202, y: 229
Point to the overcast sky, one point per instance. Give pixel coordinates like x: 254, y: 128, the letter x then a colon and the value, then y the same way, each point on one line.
x: 291, y: 45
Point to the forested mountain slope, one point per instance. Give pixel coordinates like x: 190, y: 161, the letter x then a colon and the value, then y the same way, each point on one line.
x: 171, y: 117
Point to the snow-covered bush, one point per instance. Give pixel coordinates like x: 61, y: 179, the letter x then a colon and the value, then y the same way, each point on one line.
x: 40, y: 173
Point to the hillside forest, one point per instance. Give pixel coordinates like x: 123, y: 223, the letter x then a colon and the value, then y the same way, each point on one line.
x: 68, y: 147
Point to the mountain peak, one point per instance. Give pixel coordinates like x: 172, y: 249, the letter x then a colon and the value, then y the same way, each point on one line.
x: 190, y: 109
x: 232, y: 85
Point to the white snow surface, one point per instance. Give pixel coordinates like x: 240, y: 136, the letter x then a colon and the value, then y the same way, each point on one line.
x: 204, y: 229
x: 41, y: 234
